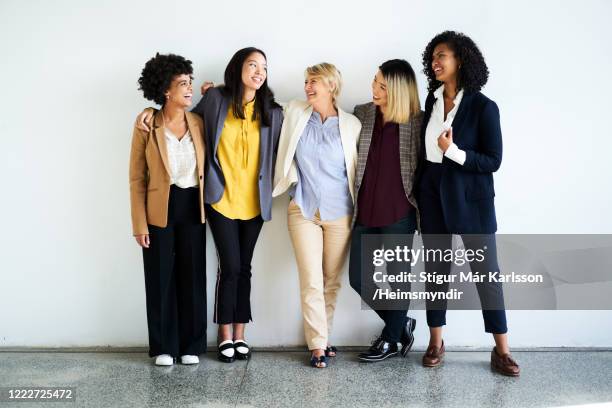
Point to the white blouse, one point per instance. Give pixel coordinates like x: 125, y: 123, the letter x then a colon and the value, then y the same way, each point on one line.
x: 437, y: 125
x: 182, y: 158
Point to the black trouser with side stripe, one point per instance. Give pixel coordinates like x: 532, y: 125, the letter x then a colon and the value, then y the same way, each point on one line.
x: 175, y: 278
x: 235, y: 242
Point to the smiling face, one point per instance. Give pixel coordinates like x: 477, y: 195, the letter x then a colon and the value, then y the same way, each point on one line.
x: 444, y: 63
x: 180, y: 91
x: 254, y: 71
x: 317, y: 90
x: 379, y: 90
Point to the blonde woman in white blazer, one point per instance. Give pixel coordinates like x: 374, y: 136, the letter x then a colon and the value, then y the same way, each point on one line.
x: 316, y: 161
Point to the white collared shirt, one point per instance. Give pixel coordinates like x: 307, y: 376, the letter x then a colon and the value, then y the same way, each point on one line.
x: 182, y: 160
x: 437, y: 125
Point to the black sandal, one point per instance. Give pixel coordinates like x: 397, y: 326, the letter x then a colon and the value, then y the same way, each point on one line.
x: 331, y: 351
x: 222, y: 357
x: 320, y: 362
x: 239, y: 355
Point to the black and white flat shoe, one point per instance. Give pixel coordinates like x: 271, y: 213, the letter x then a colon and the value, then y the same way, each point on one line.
x: 226, y: 352
x: 242, y: 349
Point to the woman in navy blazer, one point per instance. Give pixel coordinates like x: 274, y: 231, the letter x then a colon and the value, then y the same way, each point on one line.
x: 461, y: 148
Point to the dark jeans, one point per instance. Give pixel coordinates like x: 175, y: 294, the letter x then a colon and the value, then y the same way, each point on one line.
x: 395, y: 320
x: 175, y: 279
x: 432, y: 222
x: 235, y: 242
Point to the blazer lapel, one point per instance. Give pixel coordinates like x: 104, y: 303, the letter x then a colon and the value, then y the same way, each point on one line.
x: 196, y: 136
x: 367, y: 128
x: 348, y: 146
x: 459, y: 119
x: 405, y: 136
x: 160, y: 136
x: 221, y: 116
x: 295, y: 137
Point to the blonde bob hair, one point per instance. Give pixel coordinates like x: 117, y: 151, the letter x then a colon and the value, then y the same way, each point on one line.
x: 329, y: 74
x: 402, y: 92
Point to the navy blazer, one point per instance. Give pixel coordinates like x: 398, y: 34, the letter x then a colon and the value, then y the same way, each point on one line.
x: 213, y: 108
x: 467, y: 191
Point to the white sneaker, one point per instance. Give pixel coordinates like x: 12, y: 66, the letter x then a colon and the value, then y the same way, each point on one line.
x: 164, y: 360
x: 187, y: 359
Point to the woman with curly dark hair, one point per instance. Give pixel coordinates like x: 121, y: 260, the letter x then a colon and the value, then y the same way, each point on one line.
x: 166, y: 188
x: 461, y: 148
x: 242, y: 124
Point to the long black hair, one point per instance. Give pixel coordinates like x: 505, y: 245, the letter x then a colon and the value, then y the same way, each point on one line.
x: 473, y: 73
x: 264, y: 97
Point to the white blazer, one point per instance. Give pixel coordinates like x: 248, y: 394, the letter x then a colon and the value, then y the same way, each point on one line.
x: 297, y: 114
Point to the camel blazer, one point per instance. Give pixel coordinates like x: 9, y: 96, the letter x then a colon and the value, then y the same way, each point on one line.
x: 297, y: 114
x: 150, y: 173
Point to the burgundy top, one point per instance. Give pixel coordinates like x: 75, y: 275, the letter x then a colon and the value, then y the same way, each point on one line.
x: 382, y: 200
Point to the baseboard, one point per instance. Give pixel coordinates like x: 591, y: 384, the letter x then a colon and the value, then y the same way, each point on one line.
x: 144, y: 349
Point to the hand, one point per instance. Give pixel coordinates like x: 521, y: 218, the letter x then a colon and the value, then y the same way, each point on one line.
x: 445, y: 139
x: 143, y: 120
x: 206, y: 86
x: 143, y: 240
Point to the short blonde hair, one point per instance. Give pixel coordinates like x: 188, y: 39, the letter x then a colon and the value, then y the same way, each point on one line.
x: 402, y: 92
x: 329, y: 74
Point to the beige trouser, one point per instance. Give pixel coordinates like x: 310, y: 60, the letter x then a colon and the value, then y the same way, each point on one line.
x: 320, y: 251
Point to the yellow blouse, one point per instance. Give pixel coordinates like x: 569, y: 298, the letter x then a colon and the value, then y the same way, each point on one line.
x: 238, y: 154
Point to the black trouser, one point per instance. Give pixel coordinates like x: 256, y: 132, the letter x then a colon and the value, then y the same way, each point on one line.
x: 175, y: 278
x: 432, y: 222
x: 395, y: 320
x: 235, y: 241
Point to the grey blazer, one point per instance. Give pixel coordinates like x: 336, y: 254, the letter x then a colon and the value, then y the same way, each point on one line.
x: 213, y: 108
x: 409, y: 146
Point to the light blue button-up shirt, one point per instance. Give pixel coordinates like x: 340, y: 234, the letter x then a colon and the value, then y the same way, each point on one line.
x: 322, y: 180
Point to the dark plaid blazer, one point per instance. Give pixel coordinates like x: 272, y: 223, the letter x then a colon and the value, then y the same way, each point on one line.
x: 409, y: 145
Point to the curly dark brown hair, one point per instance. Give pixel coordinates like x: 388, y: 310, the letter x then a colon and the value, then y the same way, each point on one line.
x: 158, y: 73
x: 472, y: 75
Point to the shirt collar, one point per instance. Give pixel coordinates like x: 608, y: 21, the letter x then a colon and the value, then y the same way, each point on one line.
x: 439, y: 93
x: 249, y: 107
x: 316, y: 119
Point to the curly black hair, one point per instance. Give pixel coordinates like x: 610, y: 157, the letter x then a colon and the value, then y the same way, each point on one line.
x: 473, y: 72
x: 158, y: 73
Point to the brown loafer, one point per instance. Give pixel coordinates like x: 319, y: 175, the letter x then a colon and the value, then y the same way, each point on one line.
x: 433, y: 356
x: 504, y: 364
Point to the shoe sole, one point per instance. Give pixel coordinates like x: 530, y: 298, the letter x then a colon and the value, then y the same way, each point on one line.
x: 435, y: 365
x: 500, y: 371
x: 406, y: 348
x: 240, y: 356
x: 369, y: 360
x: 225, y: 359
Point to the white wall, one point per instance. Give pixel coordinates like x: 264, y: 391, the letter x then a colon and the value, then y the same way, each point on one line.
x: 71, y: 274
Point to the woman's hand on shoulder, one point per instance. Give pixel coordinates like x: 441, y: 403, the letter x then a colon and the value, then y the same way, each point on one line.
x: 144, y: 119
x: 206, y: 86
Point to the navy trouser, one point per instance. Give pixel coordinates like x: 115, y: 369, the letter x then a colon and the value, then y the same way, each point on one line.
x: 432, y: 222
